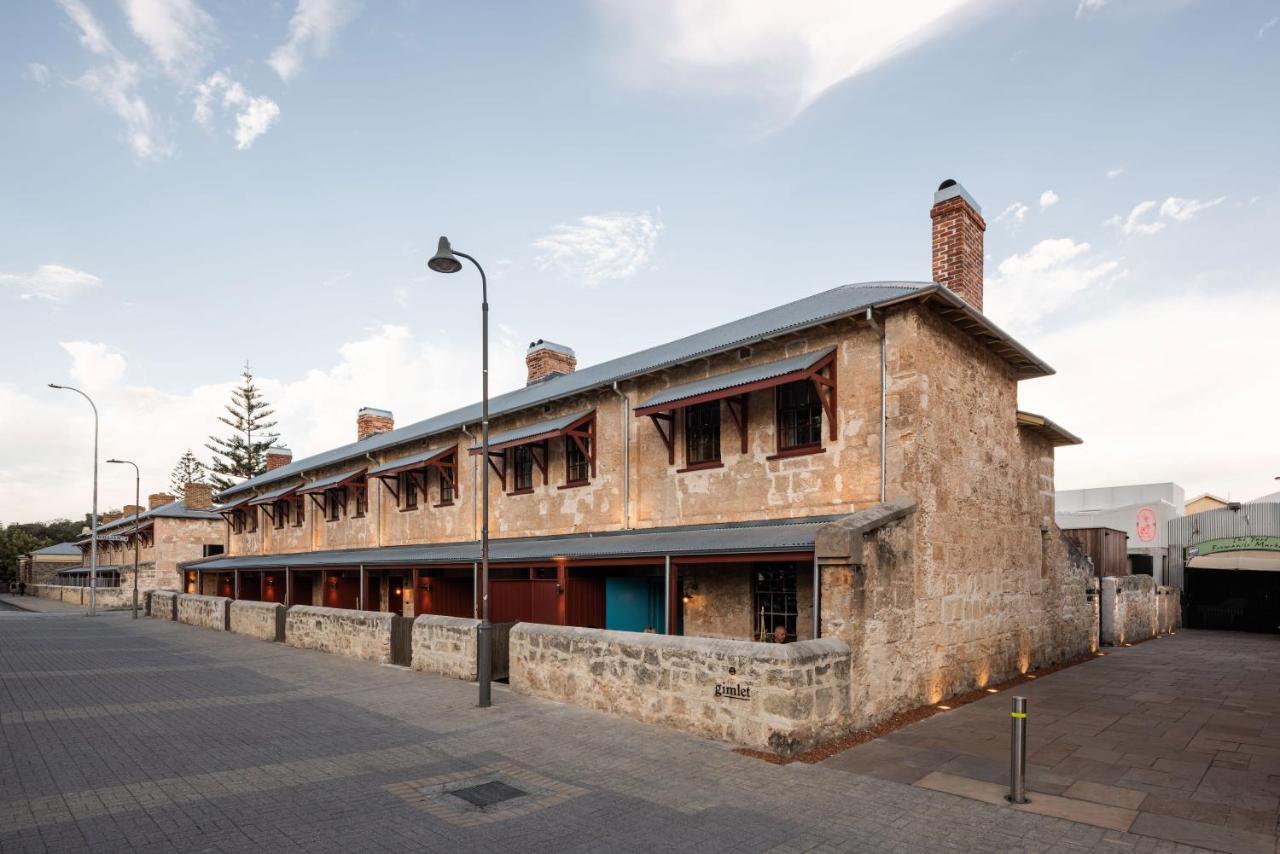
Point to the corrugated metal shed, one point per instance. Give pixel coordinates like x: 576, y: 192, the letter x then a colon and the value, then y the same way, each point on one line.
x: 825, y: 307
x: 746, y: 538
x: 1257, y: 518
x: 772, y: 370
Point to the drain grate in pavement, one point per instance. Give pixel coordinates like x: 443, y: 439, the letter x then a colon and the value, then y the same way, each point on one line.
x: 488, y: 794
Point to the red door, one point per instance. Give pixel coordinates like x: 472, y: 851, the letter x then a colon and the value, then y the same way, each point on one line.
x: 585, y: 605
x: 451, y: 597
x: 544, y: 602
x: 509, y: 601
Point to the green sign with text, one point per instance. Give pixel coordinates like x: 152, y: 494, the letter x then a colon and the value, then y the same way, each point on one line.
x: 1235, y: 544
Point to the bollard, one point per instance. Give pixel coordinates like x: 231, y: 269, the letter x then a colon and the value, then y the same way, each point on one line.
x: 1018, y: 753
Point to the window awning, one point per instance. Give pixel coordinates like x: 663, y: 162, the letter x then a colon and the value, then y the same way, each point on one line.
x: 274, y: 495
x: 338, y: 480
x: 738, y: 382
x: 538, y: 432
x: 422, y: 460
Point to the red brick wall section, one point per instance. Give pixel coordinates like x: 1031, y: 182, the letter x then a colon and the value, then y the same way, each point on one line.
x: 544, y: 362
x: 160, y: 499
x: 957, y: 248
x: 198, y: 496
x: 277, y: 457
x: 370, y: 422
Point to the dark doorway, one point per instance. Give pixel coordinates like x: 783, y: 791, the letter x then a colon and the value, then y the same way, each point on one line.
x: 372, y: 592
x: 1242, y: 600
x: 303, y: 589
x: 395, y: 595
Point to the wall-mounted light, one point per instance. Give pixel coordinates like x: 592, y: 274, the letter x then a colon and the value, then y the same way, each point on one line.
x: 559, y: 587
x: 690, y: 590
x: 398, y: 591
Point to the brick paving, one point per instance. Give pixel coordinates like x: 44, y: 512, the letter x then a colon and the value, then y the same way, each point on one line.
x: 151, y: 736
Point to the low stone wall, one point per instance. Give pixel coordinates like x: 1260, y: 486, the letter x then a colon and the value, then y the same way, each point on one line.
x: 262, y: 620
x: 164, y: 605
x: 207, y: 612
x: 446, y: 645
x: 1168, y: 609
x: 782, y: 698
x: 363, y: 635
x: 1129, y: 609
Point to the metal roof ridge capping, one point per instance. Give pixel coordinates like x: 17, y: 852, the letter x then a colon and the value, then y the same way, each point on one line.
x: 824, y: 307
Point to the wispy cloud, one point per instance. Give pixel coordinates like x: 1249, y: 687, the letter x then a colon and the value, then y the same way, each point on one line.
x: 1262, y: 31
x: 1030, y: 287
x: 789, y: 53
x: 1151, y: 217
x: 1088, y: 7
x: 1116, y: 172
x: 51, y: 282
x: 179, y: 34
x: 311, y: 31
x: 1013, y: 216
x: 1048, y: 199
x: 599, y: 248
x: 115, y: 82
x: 37, y: 72
x: 254, y: 114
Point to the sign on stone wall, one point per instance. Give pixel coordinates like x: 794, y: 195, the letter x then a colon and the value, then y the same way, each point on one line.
x: 1235, y: 544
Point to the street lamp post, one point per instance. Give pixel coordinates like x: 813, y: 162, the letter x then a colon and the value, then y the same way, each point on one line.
x: 93, y: 519
x: 444, y: 261
x: 137, y: 509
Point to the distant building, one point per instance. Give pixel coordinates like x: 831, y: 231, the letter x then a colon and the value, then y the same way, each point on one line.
x: 1205, y: 501
x: 42, y: 564
x: 1143, y: 511
x: 1227, y: 560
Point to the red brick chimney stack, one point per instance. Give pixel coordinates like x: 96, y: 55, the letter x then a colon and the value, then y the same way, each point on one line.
x: 197, y: 496
x: 278, y: 456
x: 160, y: 499
x: 129, y: 510
x: 957, y: 242
x: 546, y: 359
x: 371, y: 422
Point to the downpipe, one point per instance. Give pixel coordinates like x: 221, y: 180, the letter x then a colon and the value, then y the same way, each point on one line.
x: 871, y: 319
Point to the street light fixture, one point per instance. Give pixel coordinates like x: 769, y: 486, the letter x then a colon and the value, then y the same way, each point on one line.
x: 446, y: 261
x: 137, y: 509
x: 93, y: 520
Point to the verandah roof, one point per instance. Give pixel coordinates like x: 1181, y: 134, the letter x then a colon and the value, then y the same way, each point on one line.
x: 421, y: 460
x: 735, y: 382
x: 535, y: 432
x: 331, y: 482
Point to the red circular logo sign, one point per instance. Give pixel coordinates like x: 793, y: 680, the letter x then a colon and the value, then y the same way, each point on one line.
x: 1147, y: 524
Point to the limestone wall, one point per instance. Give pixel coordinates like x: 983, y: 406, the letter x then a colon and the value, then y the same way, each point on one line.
x: 445, y: 645
x: 164, y: 604
x: 262, y: 620
x: 1168, y: 609
x: 1130, y: 610
x: 208, y: 612
x: 364, y: 635
x: 777, y: 697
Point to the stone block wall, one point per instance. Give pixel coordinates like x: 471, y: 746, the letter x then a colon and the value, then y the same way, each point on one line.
x: 262, y: 620
x: 363, y: 635
x: 782, y: 698
x: 445, y: 645
x: 1168, y: 609
x: 164, y: 605
x: 1130, y: 612
x: 208, y: 612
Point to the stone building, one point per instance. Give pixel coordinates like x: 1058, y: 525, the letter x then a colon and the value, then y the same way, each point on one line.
x: 856, y: 454
x: 169, y: 532
x: 39, y: 566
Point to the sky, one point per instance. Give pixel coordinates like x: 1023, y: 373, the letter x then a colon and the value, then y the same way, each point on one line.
x: 190, y: 185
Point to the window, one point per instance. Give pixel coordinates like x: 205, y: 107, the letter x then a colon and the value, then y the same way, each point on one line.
x: 362, y: 499
x: 446, y: 488
x: 251, y: 520
x: 775, y: 597
x: 237, y: 521
x: 211, y: 549
x: 577, y: 464
x: 408, y: 491
x: 335, y: 502
x: 799, y: 416
x: 299, y: 510
x: 702, y: 434
x: 522, y: 464
x: 280, y: 513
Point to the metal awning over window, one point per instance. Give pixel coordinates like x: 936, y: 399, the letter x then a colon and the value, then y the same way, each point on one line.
x: 733, y: 387
x: 336, y: 482
x: 538, y: 432
x: 445, y: 460
x: 274, y: 495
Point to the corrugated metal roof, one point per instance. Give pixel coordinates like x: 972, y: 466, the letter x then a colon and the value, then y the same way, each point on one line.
x: 84, y: 570
x: 268, y: 497
x: 824, y: 307
x: 789, y: 535
x: 550, y: 426
x: 1258, y: 518
x: 173, y: 510
x: 59, y: 550
x: 406, y: 462
x: 769, y: 371
x: 325, y: 483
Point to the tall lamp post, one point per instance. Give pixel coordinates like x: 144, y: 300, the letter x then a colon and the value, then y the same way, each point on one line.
x: 137, y: 509
x: 93, y: 520
x: 444, y: 261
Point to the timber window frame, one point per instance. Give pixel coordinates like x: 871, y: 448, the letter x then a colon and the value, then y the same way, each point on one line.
x: 335, y: 504
x: 280, y: 513
x: 299, y: 510
x: 798, y: 411
x: 775, y: 601
x: 701, y: 423
x: 521, y: 464
x: 361, y: 490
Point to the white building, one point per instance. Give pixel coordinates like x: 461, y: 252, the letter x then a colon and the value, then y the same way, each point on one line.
x: 1142, y: 510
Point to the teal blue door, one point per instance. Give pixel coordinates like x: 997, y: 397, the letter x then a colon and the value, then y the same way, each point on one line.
x: 632, y: 604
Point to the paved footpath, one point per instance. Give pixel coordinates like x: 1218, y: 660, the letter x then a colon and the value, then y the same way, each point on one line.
x: 122, y: 735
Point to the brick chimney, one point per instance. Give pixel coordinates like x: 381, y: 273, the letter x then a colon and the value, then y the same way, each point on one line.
x: 130, y: 509
x: 546, y: 360
x: 197, y: 496
x: 110, y: 516
x: 160, y: 499
x: 957, y: 242
x: 280, y: 456
x: 371, y: 422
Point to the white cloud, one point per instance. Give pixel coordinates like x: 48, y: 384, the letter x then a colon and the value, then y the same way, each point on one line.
x: 400, y: 296
x: 1014, y: 215
x: 1116, y: 172
x: 788, y: 53
x: 1030, y: 287
x: 178, y: 33
x: 52, y: 282
x: 45, y: 435
x: 1173, y: 208
x: 115, y: 82
x: 1087, y: 7
x: 1205, y: 426
x: 596, y: 249
x: 37, y: 73
x: 254, y: 115
x: 311, y: 31
x: 1262, y: 31
x: 1048, y: 199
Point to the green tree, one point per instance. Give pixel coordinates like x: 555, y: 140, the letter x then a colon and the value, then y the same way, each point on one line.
x: 188, y: 470
x: 243, y: 454
x: 20, y: 538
